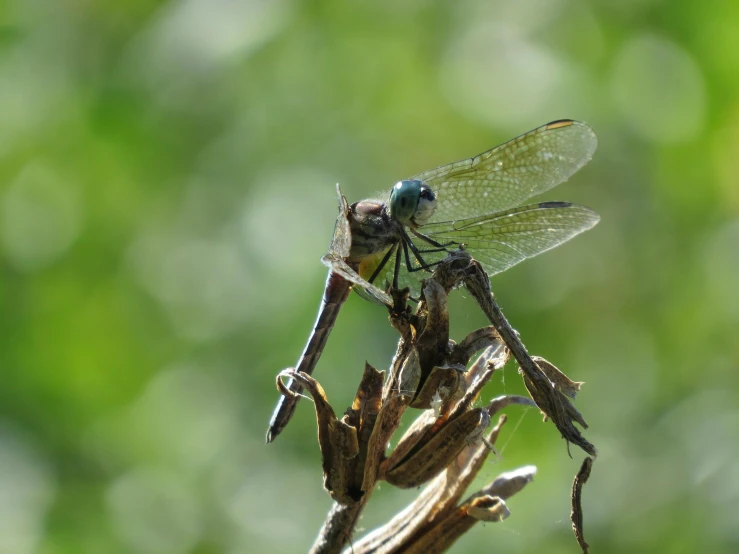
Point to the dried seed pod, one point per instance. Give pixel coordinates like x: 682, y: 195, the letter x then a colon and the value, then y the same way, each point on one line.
x: 418, y: 429
x: 433, y: 455
x: 509, y: 483
x: 442, y: 382
x: 488, y: 508
x: 410, y: 375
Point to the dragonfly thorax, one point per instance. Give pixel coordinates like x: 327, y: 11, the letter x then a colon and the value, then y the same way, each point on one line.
x: 412, y: 202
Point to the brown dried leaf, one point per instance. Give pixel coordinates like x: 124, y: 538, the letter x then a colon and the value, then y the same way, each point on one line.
x: 362, y: 416
x: 385, y: 425
x: 337, y: 440
x: 409, y: 377
x: 474, y: 342
x: 562, y: 383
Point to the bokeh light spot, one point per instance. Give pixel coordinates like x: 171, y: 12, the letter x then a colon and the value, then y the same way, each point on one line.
x: 154, y: 512
x: 495, y: 75
x: 721, y: 270
x: 26, y: 490
x: 659, y: 89
x: 188, y: 39
x: 40, y: 217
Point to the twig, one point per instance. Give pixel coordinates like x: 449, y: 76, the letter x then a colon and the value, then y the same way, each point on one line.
x: 447, y: 445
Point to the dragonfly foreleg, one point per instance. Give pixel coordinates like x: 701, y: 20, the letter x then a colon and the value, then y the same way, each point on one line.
x: 396, y: 272
x: 382, y: 264
x: 431, y: 250
x: 407, y: 242
x: 432, y: 242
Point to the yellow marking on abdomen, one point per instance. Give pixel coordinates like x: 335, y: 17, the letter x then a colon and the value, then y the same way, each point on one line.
x: 369, y: 264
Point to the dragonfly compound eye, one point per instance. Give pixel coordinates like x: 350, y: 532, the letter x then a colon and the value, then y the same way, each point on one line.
x: 427, y: 193
x: 426, y: 205
x: 404, y: 199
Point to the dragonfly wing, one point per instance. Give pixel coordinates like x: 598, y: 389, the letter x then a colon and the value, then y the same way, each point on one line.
x: 364, y: 288
x: 341, y: 242
x: 374, y: 295
x: 500, y: 241
x: 509, y: 174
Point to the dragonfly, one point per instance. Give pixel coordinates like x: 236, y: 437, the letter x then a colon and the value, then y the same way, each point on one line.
x: 476, y: 204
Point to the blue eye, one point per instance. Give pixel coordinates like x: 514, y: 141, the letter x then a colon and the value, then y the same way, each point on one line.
x: 404, y: 200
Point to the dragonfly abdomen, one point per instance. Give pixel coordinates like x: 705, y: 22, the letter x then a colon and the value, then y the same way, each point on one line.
x: 335, y: 294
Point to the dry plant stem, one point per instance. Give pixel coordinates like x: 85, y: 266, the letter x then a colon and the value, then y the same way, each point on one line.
x: 424, y: 340
x: 576, y: 515
x: 342, y: 519
x: 424, y: 462
x: 437, y: 520
x: 337, y: 528
x: 548, y: 396
x: 447, y: 444
x: 446, y: 532
x: 438, y: 501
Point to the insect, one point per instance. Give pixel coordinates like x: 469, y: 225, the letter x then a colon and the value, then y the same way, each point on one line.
x: 476, y: 203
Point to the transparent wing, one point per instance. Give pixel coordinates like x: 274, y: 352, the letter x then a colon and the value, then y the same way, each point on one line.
x: 341, y: 242
x: 502, y: 240
x: 509, y: 174
x: 364, y: 288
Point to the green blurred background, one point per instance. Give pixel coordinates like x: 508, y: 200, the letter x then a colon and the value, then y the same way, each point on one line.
x: 167, y: 187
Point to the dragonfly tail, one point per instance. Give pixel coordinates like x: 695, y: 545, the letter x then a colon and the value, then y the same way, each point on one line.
x: 334, y: 295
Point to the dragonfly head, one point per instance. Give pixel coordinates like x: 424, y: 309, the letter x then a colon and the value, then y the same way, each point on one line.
x: 412, y: 202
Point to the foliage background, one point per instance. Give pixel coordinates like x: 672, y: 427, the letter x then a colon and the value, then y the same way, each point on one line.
x: 167, y: 176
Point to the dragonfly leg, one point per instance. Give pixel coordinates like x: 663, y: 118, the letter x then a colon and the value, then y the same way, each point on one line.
x: 407, y: 242
x: 396, y: 271
x: 432, y: 242
x: 432, y: 250
x: 382, y: 264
